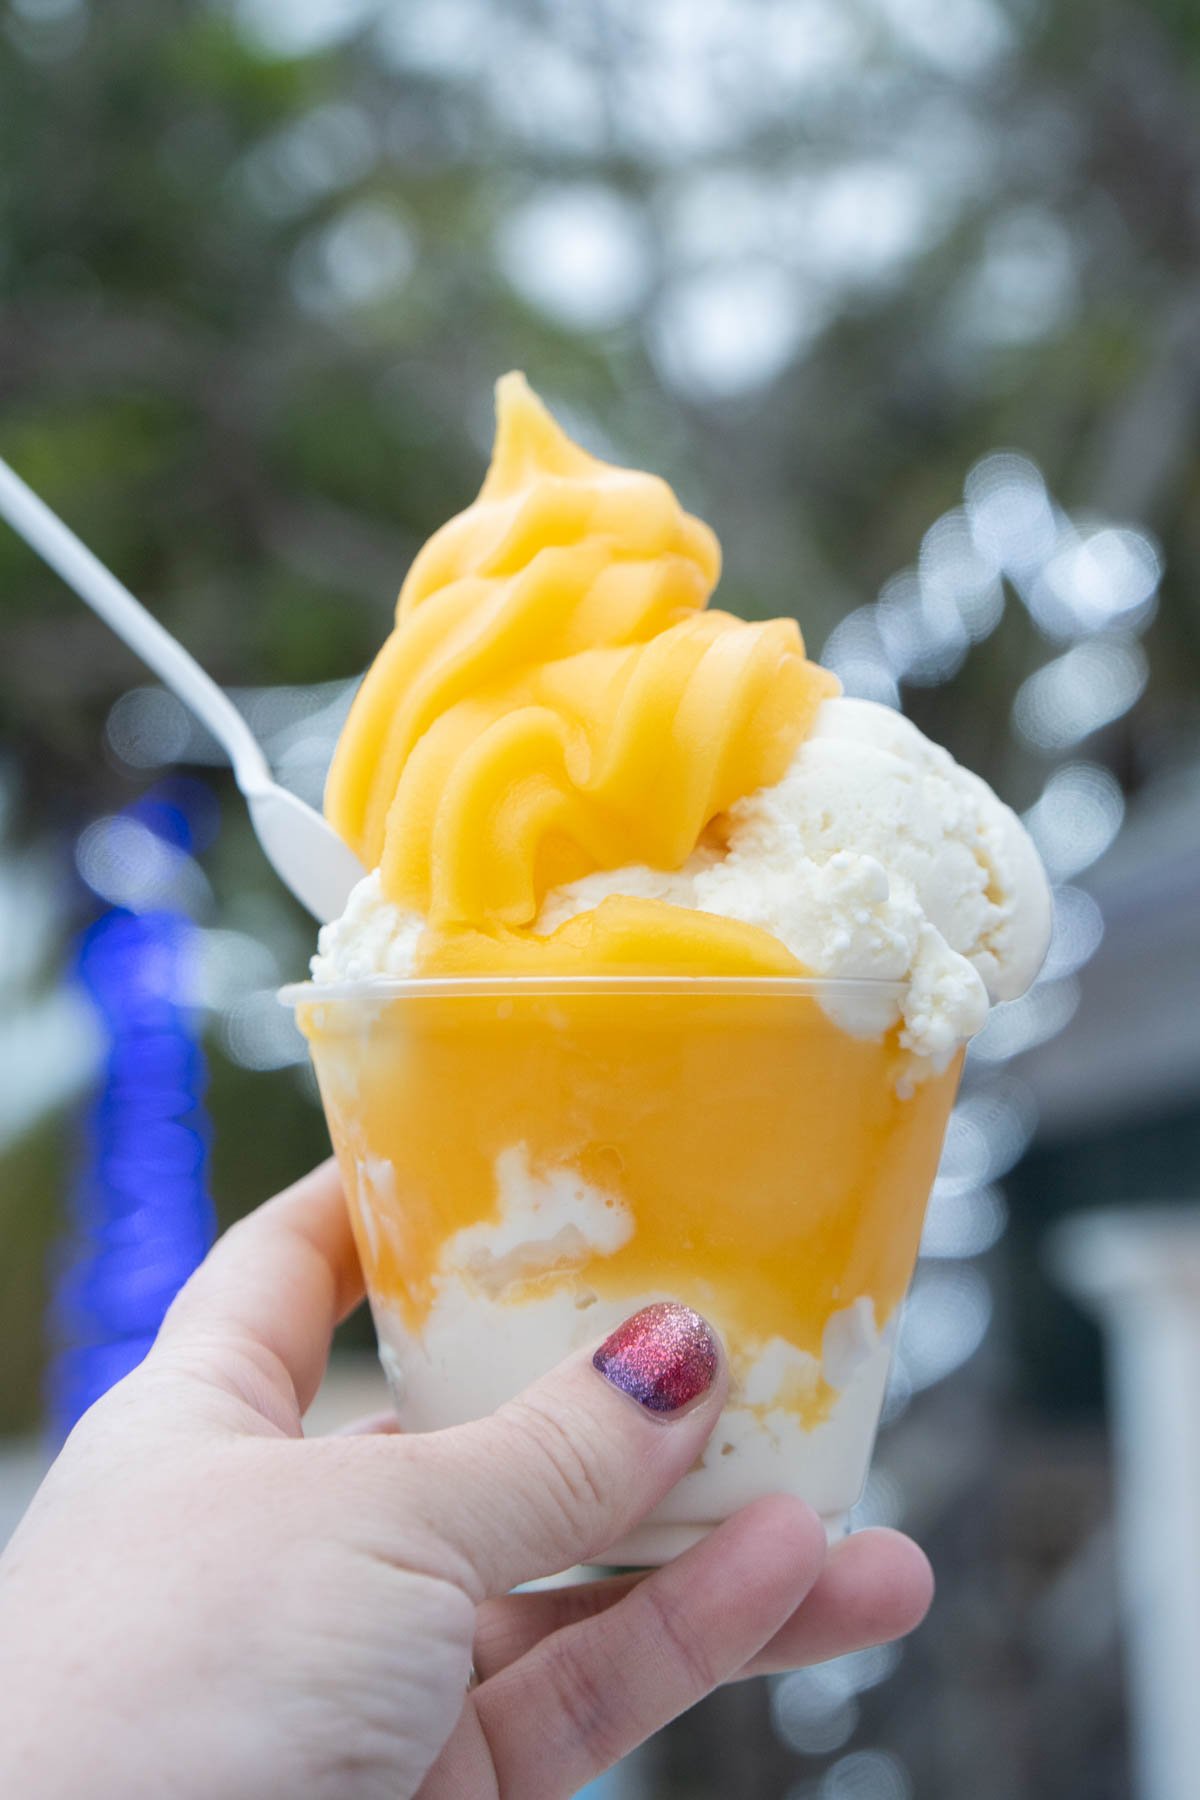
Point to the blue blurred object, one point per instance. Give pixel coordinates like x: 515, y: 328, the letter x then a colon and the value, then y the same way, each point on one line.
x: 140, y: 1215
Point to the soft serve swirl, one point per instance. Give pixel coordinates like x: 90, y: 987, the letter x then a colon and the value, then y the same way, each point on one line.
x: 555, y: 700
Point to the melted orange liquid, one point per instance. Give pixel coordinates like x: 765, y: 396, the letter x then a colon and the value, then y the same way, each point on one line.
x: 773, y: 1172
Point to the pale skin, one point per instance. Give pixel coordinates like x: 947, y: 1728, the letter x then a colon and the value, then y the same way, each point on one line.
x: 203, y: 1601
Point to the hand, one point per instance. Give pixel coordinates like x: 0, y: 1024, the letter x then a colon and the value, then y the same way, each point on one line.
x: 201, y: 1601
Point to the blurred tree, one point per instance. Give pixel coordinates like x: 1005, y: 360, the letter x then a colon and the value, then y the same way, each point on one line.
x: 260, y: 263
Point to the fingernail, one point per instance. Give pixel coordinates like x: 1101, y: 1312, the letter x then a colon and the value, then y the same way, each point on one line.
x: 663, y: 1357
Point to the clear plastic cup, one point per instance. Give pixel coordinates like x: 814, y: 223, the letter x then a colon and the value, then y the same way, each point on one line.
x: 529, y: 1161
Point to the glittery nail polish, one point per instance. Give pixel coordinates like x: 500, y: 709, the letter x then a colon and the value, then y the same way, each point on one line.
x: 663, y: 1357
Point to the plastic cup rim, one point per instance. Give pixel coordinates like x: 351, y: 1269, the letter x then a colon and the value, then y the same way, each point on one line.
x: 374, y: 989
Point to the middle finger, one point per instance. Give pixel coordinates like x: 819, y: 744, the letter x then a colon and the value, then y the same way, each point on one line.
x: 876, y: 1586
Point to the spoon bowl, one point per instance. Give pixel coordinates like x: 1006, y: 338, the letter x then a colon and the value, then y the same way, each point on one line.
x: 304, y: 850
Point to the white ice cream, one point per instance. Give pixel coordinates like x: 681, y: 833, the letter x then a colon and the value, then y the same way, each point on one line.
x: 371, y: 938
x: 508, y: 1305
x: 876, y: 855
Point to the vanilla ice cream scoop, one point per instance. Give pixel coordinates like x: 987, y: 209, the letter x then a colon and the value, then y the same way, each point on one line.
x: 934, y: 826
x: 877, y: 855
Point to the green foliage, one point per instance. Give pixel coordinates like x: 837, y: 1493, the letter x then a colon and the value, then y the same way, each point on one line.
x: 32, y: 1179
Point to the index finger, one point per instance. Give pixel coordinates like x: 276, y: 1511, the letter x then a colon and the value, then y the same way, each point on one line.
x: 278, y: 1281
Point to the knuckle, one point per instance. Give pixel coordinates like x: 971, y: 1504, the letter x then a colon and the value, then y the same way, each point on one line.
x: 577, y: 1603
x: 570, y: 1472
x: 583, y: 1695
x: 685, y: 1645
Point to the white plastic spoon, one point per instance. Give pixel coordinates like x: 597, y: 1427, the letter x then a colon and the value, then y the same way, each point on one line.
x: 305, y: 852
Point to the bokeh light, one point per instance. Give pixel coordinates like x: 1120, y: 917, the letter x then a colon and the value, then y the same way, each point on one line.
x: 127, y: 864
x: 360, y: 259
x: 963, y: 1224
x: 954, y: 572
x: 945, y: 1321
x: 258, y: 1033
x: 303, y: 26
x: 1081, y: 691
x: 729, y: 331
x: 814, y: 1711
x: 867, y: 1775
x: 328, y: 149
x: 1009, y: 513
x: 1077, y: 933
x: 1025, y: 284
x: 1023, y: 1024
x: 1094, y: 579
x: 148, y: 728
x: 1076, y: 819
x: 578, y: 252
x: 857, y: 652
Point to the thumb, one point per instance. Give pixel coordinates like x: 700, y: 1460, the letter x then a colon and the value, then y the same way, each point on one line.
x: 571, y: 1465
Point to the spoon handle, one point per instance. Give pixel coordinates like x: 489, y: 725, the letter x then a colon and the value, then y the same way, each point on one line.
x: 57, y: 544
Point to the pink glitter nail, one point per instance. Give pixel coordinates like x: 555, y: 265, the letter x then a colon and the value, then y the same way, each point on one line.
x: 663, y: 1356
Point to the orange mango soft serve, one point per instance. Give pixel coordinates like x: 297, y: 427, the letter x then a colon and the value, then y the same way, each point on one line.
x: 554, y: 700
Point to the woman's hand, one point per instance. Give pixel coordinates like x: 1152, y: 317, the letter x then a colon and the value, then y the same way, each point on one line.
x: 201, y: 1601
